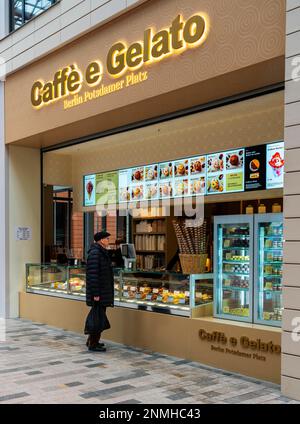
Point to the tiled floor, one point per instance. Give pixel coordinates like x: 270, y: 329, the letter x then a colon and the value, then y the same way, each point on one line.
x: 41, y: 364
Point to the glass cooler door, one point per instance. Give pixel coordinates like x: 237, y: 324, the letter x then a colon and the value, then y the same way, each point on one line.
x: 233, y: 267
x: 268, y: 269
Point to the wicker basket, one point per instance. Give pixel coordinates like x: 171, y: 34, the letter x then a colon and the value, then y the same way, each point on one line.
x: 193, y: 264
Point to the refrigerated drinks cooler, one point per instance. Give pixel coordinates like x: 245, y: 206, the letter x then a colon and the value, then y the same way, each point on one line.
x: 248, y: 268
x: 268, y: 248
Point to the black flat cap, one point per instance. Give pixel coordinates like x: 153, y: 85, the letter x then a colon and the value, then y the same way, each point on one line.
x: 101, y: 235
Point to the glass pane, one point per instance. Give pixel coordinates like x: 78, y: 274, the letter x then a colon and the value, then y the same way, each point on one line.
x: 35, y: 7
x: 270, y: 271
x: 203, y: 289
x: 234, y: 269
x: 17, y: 14
x: 48, y: 278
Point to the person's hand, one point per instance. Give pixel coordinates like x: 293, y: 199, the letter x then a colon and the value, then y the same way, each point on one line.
x: 96, y: 298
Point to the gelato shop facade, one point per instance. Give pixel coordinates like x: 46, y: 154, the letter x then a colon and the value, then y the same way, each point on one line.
x: 167, y: 131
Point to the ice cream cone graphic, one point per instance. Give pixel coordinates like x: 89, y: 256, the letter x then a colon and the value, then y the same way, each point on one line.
x: 89, y: 189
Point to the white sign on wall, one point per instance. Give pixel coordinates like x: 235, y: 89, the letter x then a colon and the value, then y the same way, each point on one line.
x: 23, y: 233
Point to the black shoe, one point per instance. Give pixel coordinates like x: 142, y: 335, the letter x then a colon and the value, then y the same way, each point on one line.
x: 97, y: 349
x: 98, y: 344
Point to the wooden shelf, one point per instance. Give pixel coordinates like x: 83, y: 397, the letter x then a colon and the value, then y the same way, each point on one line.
x: 149, y: 234
x: 150, y: 251
x: 149, y: 218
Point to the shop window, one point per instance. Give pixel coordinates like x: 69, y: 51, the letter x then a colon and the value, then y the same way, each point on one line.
x: 22, y: 11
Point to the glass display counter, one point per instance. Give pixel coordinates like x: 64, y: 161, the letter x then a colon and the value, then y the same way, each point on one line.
x: 166, y: 292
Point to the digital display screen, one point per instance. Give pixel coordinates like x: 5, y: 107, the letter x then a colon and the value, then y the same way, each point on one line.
x: 230, y: 171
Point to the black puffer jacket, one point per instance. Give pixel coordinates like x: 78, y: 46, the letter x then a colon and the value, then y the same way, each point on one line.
x: 99, y: 276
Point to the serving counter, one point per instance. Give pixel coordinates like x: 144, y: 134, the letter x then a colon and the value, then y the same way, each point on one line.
x: 164, y: 292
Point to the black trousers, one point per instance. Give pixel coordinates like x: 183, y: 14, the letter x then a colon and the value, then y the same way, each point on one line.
x: 93, y: 340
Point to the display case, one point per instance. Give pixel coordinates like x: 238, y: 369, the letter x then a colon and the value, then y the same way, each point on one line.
x: 167, y: 292
x: 268, y: 269
x: 233, y: 267
x: 61, y: 281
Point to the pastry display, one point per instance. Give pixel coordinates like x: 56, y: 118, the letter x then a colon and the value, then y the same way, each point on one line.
x: 215, y: 184
x: 125, y: 194
x: 59, y: 285
x: 165, y: 170
x: 137, y: 193
x: 182, y: 188
x: 197, y: 186
x: 235, y: 159
x: 215, y: 163
x: 198, y: 165
x: 76, y: 284
x: 151, y: 173
x: 137, y: 174
x: 151, y: 191
x: 181, y: 168
x: 166, y: 189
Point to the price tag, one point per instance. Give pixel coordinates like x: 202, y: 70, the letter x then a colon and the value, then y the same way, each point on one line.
x: 142, y: 289
x: 149, y: 297
x: 170, y: 299
x: 165, y: 291
x: 177, y: 292
x: 187, y: 293
x: 138, y: 296
x: 155, y: 290
x: 125, y: 287
x: 182, y: 301
x: 125, y: 294
x: 159, y: 298
x: 198, y: 295
x: 133, y: 288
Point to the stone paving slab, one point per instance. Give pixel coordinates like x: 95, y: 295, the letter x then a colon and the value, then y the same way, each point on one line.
x: 43, y: 364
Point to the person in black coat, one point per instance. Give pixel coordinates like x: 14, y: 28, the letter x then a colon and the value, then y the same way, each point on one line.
x: 99, y: 285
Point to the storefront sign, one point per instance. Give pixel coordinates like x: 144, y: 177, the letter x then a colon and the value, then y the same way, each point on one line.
x: 156, y: 46
x: 23, y: 233
x: 251, y: 349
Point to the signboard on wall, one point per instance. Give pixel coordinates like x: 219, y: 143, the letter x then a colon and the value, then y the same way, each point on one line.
x: 90, y: 190
x: 23, y: 233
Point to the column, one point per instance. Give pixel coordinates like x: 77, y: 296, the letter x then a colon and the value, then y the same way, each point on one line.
x: 291, y: 290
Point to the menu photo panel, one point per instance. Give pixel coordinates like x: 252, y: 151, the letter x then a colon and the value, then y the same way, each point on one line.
x: 89, y: 182
x: 275, y: 165
x: 255, y: 168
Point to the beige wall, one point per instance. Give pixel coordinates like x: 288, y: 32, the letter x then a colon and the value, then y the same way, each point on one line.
x: 244, y: 50
x: 62, y: 23
x: 291, y: 349
x: 24, y: 210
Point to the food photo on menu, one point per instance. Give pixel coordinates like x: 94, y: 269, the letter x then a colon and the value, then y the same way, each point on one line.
x: 215, y: 163
x: 181, y: 168
x: 197, y: 186
x: 166, y: 189
x: 235, y: 160
x: 151, y: 191
x: 124, y: 194
x: 137, y: 174
x: 198, y: 165
x: 181, y: 188
x: 137, y: 192
x: 165, y: 170
x: 151, y: 173
x: 215, y: 184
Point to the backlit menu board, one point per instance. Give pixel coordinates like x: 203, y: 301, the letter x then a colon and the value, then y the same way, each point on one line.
x: 237, y: 170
